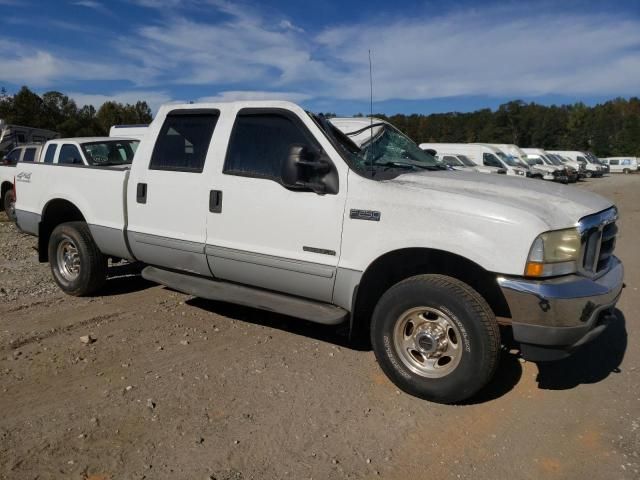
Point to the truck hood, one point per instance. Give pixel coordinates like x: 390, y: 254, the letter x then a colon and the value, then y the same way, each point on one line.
x: 557, y: 206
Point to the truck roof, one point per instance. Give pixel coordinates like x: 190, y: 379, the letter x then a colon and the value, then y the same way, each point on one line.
x: 89, y: 139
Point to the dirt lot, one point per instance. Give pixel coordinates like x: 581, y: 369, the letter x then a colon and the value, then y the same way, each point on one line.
x: 180, y: 388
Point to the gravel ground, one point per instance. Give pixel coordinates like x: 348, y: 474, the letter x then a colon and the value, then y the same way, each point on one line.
x: 173, y: 387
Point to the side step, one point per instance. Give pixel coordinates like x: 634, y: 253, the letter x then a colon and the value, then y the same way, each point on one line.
x: 311, y: 310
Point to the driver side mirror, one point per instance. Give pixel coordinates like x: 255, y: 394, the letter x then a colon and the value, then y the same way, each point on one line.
x: 306, y: 169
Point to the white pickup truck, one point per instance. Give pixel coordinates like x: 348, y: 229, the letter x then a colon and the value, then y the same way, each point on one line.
x: 267, y: 205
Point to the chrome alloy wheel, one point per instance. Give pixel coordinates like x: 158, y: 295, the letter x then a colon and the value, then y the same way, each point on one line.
x: 68, y: 259
x: 428, y: 342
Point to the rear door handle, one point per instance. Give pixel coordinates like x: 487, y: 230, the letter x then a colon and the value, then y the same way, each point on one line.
x: 215, y: 201
x: 141, y: 193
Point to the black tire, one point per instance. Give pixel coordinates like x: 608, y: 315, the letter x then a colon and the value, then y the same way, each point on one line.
x: 9, y: 205
x: 467, y: 312
x: 626, y: 170
x: 588, y: 174
x: 91, y: 263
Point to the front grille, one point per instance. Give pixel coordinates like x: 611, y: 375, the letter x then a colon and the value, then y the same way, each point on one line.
x: 599, y: 240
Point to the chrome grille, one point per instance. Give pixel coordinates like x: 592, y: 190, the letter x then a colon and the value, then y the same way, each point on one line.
x: 598, y: 241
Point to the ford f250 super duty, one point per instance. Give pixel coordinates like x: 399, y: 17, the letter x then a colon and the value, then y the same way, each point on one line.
x: 264, y: 204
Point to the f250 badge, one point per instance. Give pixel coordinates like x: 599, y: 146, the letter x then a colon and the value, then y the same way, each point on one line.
x: 372, y: 215
x: 24, y: 177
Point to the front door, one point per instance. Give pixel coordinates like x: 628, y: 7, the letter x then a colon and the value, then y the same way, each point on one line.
x: 261, y: 233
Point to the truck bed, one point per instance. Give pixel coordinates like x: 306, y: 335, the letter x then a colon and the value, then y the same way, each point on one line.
x: 99, y: 193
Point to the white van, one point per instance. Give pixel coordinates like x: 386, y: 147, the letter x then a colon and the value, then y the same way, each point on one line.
x: 482, y: 154
x: 592, y: 168
x: 540, y: 159
x: 622, y: 164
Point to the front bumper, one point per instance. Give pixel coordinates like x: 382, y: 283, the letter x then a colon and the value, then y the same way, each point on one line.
x: 551, y: 318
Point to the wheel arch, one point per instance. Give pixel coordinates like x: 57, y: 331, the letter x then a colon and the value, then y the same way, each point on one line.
x: 55, y: 212
x: 397, y: 265
x: 6, y: 185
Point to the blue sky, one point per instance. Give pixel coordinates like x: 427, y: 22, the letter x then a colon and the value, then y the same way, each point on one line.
x: 428, y: 56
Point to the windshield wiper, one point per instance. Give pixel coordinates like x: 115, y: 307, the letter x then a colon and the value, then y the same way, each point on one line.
x: 409, y: 164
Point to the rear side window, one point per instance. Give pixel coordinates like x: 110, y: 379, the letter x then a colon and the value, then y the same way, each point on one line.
x: 614, y: 162
x: 29, y: 155
x: 70, y: 155
x: 13, y: 156
x: 183, y: 141
x: 50, y: 153
x: 260, y: 143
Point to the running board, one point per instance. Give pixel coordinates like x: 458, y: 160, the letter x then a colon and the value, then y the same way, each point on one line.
x: 311, y: 310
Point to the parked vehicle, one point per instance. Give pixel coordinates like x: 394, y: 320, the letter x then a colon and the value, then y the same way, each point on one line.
x: 137, y: 132
x: 622, y: 164
x: 539, y: 158
x: 536, y: 169
x: 591, y: 156
x: 90, y: 151
x: 278, y: 209
x: 23, y: 153
x: 592, y: 169
x: 14, y: 135
x: 481, y: 154
x: 572, y: 172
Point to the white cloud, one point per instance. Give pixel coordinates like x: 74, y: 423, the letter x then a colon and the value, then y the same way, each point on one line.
x: 488, y: 52
x: 512, y: 51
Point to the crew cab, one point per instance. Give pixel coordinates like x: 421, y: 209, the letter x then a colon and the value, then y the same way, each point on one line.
x: 267, y: 205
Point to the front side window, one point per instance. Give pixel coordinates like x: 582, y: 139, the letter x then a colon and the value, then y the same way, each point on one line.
x: 260, y: 143
x: 70, y: 155
x: 614, y: 162
x: 113, y: 152
x: 184, y: 141
x: 29, y: 155
x: 490, y: 160
x: 50, y: 153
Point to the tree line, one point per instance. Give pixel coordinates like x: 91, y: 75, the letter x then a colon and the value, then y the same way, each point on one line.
x: 56, y: 111
x: 608, y: 129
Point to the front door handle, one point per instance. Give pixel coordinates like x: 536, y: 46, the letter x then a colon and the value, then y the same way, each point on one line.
x: 141, y: 193
x: 215, y: 201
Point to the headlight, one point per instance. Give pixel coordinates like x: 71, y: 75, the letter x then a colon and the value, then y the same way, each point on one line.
x: 554, y: 253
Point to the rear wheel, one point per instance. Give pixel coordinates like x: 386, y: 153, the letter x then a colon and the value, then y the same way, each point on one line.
x: 435, y: 338
x: 77, y: 265
x: 9, y: 204
x: 626, y: 170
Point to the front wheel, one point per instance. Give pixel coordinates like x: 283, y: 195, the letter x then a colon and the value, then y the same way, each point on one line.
x: 436, y: 338
x: 9, y: 204
x: 78, y: 266
x: 588, y: 174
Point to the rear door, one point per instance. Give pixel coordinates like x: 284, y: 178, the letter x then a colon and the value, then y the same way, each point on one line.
x: 261, y: 233
x: 168, y: 192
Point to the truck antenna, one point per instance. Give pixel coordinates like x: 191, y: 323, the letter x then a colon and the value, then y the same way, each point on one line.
x: 371, y: 109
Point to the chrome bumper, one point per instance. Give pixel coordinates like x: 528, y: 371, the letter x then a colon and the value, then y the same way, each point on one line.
x: 563, y: 313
